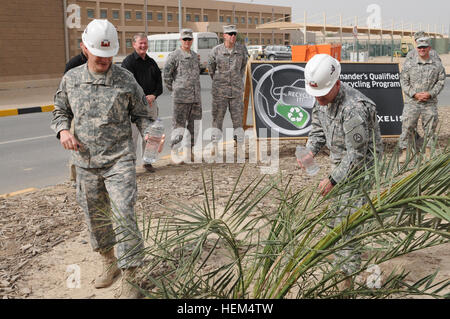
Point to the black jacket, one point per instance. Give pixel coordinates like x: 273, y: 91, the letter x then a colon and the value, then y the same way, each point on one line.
x: 146, y: 72
x: 75, y: 61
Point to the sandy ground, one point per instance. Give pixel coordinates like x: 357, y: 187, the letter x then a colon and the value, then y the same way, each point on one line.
x: 43, y: 234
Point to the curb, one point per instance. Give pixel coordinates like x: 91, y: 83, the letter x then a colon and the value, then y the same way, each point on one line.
x: 23, y: 191
x: 27, y: 110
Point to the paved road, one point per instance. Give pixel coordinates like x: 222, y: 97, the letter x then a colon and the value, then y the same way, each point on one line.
x: 31, y: 156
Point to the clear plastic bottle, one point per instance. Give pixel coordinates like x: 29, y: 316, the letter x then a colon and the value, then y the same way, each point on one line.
x: 155, y: 133
x: 304, y: 157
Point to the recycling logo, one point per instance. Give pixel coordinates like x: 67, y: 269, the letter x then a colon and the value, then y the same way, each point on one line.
x: 296, y: 115
x: 281, y: 102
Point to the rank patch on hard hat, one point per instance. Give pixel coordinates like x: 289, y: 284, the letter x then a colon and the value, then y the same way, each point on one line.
x: 105, y: 43
x: 313, y: 84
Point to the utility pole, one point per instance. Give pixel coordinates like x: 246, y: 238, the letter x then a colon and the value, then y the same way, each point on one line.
x: 180, y: 26
x: 66, y: 32
x: 273, y: 18
x: 145, y: 18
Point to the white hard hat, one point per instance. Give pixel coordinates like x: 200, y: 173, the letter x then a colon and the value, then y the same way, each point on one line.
x: 321, y: 73
x: 100, y: 38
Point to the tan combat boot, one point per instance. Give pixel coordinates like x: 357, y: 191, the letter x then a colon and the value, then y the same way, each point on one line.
x: 110, y: 270
x: 129, y: 291
x: 402, y: 157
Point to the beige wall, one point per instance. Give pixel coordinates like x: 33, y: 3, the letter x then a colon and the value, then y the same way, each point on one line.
x: 213, y: 9
x: 32, y: 31
x: 31, y: 40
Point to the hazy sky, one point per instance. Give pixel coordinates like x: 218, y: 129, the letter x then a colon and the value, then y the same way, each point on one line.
x: 411, y: 11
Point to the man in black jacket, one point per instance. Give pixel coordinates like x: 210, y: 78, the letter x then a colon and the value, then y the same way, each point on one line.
x: 77, y: 60
x: 148, y: 75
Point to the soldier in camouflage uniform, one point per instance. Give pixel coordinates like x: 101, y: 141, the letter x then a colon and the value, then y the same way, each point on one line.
x: 226, y: 66
x: 182, y: 78
x: 101, y: 98
x: 422, y: 79
x: 413, y: 53
x: 345, y: 121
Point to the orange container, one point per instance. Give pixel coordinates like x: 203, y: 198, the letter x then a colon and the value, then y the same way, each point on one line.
x: 302, y: 53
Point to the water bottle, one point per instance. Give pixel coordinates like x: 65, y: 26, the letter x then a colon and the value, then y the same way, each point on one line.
x: 155, y: 133
x: 307, y: 160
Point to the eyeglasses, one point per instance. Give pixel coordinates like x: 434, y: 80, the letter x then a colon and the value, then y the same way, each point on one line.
x: 187, y: 39
x: 232, y: 33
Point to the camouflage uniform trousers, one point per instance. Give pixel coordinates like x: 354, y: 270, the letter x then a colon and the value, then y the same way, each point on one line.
x: 154, y: 111
x: 108, y: 195
x: 348, y: 259
x: 185, y: 113
x: 72, y: 168
x: 410, y: 118
x: 219, y: 108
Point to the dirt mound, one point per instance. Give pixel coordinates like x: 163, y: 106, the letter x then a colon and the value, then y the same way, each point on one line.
x: 43, y: 235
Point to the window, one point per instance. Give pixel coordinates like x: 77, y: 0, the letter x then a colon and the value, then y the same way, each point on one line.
x: 268, y: 41
x: 149, y: 16
x: 205, y: 18
x: 236, y: 20
x: 228, y: 19
x: 90, y: 13
x: 161, y: 45
x: 160, y: 16
x: 129, y: 43
x: 242, y: 20
x: 127, y: 15
x: 207, y: 43
x: 221, y: 19
x: 138, y: 15
x: 103, y: 14
x: 188, y: 17
x: 256, y: 21
x: 249, y: 20
x: 262, y: 41
x: 169, y: 17
x: 115, y: 14
x: 173, y: 44
x: 151, y: 45
x: 262, y: 20
x: 197, y: 18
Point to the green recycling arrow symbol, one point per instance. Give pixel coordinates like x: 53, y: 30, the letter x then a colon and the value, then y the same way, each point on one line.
x: 296, y: 115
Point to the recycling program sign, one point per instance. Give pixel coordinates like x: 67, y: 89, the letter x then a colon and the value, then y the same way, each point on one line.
x: 281, y: 104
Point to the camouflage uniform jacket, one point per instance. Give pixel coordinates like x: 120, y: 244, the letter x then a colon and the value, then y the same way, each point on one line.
x: 419, y: 76
x: 345, y: 126
x: 101, y: 108
x: 182, y: 76
x: 227, y: 70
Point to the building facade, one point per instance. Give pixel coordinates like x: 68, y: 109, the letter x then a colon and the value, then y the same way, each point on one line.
x: 162, y: 17
x: 31, y: 40
x: 38, y: 37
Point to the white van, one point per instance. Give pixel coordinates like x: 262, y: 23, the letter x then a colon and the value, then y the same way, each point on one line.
x: 160, y: 45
